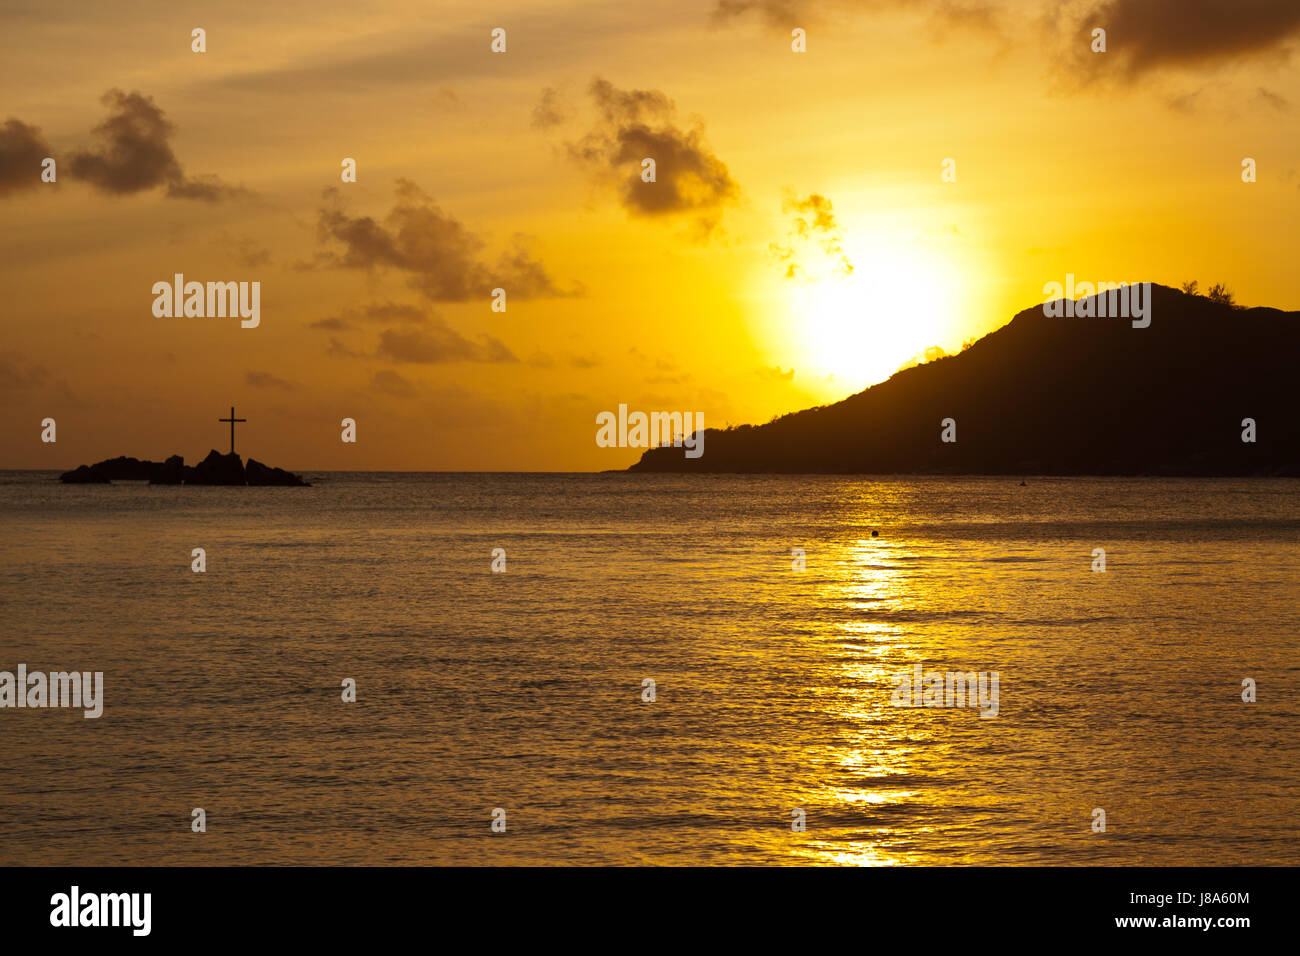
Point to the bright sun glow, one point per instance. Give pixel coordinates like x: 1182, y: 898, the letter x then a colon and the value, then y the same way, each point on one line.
x: 861, y: 327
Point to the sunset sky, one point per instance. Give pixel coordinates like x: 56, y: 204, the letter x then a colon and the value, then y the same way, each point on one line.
x: 798, y: 244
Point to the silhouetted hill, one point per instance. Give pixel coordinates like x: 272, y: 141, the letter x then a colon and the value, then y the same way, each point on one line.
x: 1085, y: 396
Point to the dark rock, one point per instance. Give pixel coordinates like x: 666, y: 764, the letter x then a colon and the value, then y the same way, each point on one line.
x: 170, y: 472
x: 111, y: 469
x: 217, y: 469
x: 83, y: 475
x: 260, y: 474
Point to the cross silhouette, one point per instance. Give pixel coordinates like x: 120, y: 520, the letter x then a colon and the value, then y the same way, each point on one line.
x: 232, y: 419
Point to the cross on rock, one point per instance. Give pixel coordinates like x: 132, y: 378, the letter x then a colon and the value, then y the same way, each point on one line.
x: 232, y: 419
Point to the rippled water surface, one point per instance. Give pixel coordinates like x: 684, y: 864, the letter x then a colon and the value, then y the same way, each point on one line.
x: 523, y: 690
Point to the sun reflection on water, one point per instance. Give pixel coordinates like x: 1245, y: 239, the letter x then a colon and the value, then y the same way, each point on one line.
x: 875, y: 761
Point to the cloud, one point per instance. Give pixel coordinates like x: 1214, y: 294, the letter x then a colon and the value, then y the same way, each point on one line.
x: 813, y: 223
x: 391, y: 383
x: 777, y: 12
x: 932, y: 354
x: 443, y: 258
x: 16, y: 373
x: 245, y: 250
x: 374, y: 312
x: 445, y: 100
x: 251, y: 255
x: 205, y: 188
x: 440, y: 343
x: 133, y: 153
x: 542, y: 360
x: 22, y: 148
x: 426, y: 340
x: 549, y: 111
x: 817, y: 207
x: 1185, y: 102
x: 786, y: 14
x: 1146, y: 35
x: 267, y: 380
x: 634, y: 125
x: 775, y: 373
x: 338, y: 350
x: 28, y: 381
x: 1274, y: 100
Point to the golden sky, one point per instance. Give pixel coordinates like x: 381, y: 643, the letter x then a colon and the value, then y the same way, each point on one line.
x: 798, y: 244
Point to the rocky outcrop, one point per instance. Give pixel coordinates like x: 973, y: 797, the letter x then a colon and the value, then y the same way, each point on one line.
x: 85, y: 475
x: 260, y: 474
x: 215, y: 469
x: 112, y: 469
x: 170, y: 472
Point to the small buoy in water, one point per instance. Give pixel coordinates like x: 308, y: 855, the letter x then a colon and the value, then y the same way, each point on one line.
x: 875, y: 534
x: 1022, y: 484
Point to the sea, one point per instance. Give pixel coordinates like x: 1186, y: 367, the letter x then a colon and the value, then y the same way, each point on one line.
x: 626, y: 669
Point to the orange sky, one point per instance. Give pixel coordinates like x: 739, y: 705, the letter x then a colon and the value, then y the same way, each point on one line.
x: 723, y: 287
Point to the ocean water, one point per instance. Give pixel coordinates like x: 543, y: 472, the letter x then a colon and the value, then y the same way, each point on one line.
x: 523, y: 690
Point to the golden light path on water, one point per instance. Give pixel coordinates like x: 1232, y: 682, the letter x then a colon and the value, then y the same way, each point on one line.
x: 867, y: 576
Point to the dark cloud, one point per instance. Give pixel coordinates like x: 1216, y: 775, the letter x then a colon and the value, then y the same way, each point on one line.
x: 133, y: 153
x: 205, y: 188
x: 1142, y: 35
x: 440, y: 343
x: 22, y: 148
x: 813, y: 222
x: 1146, y: 35
x: 443, y: 258
x: 267, y: 380
x: 633, y: 125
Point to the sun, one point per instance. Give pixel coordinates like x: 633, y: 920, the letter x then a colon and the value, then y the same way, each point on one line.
x: 862, y: 326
